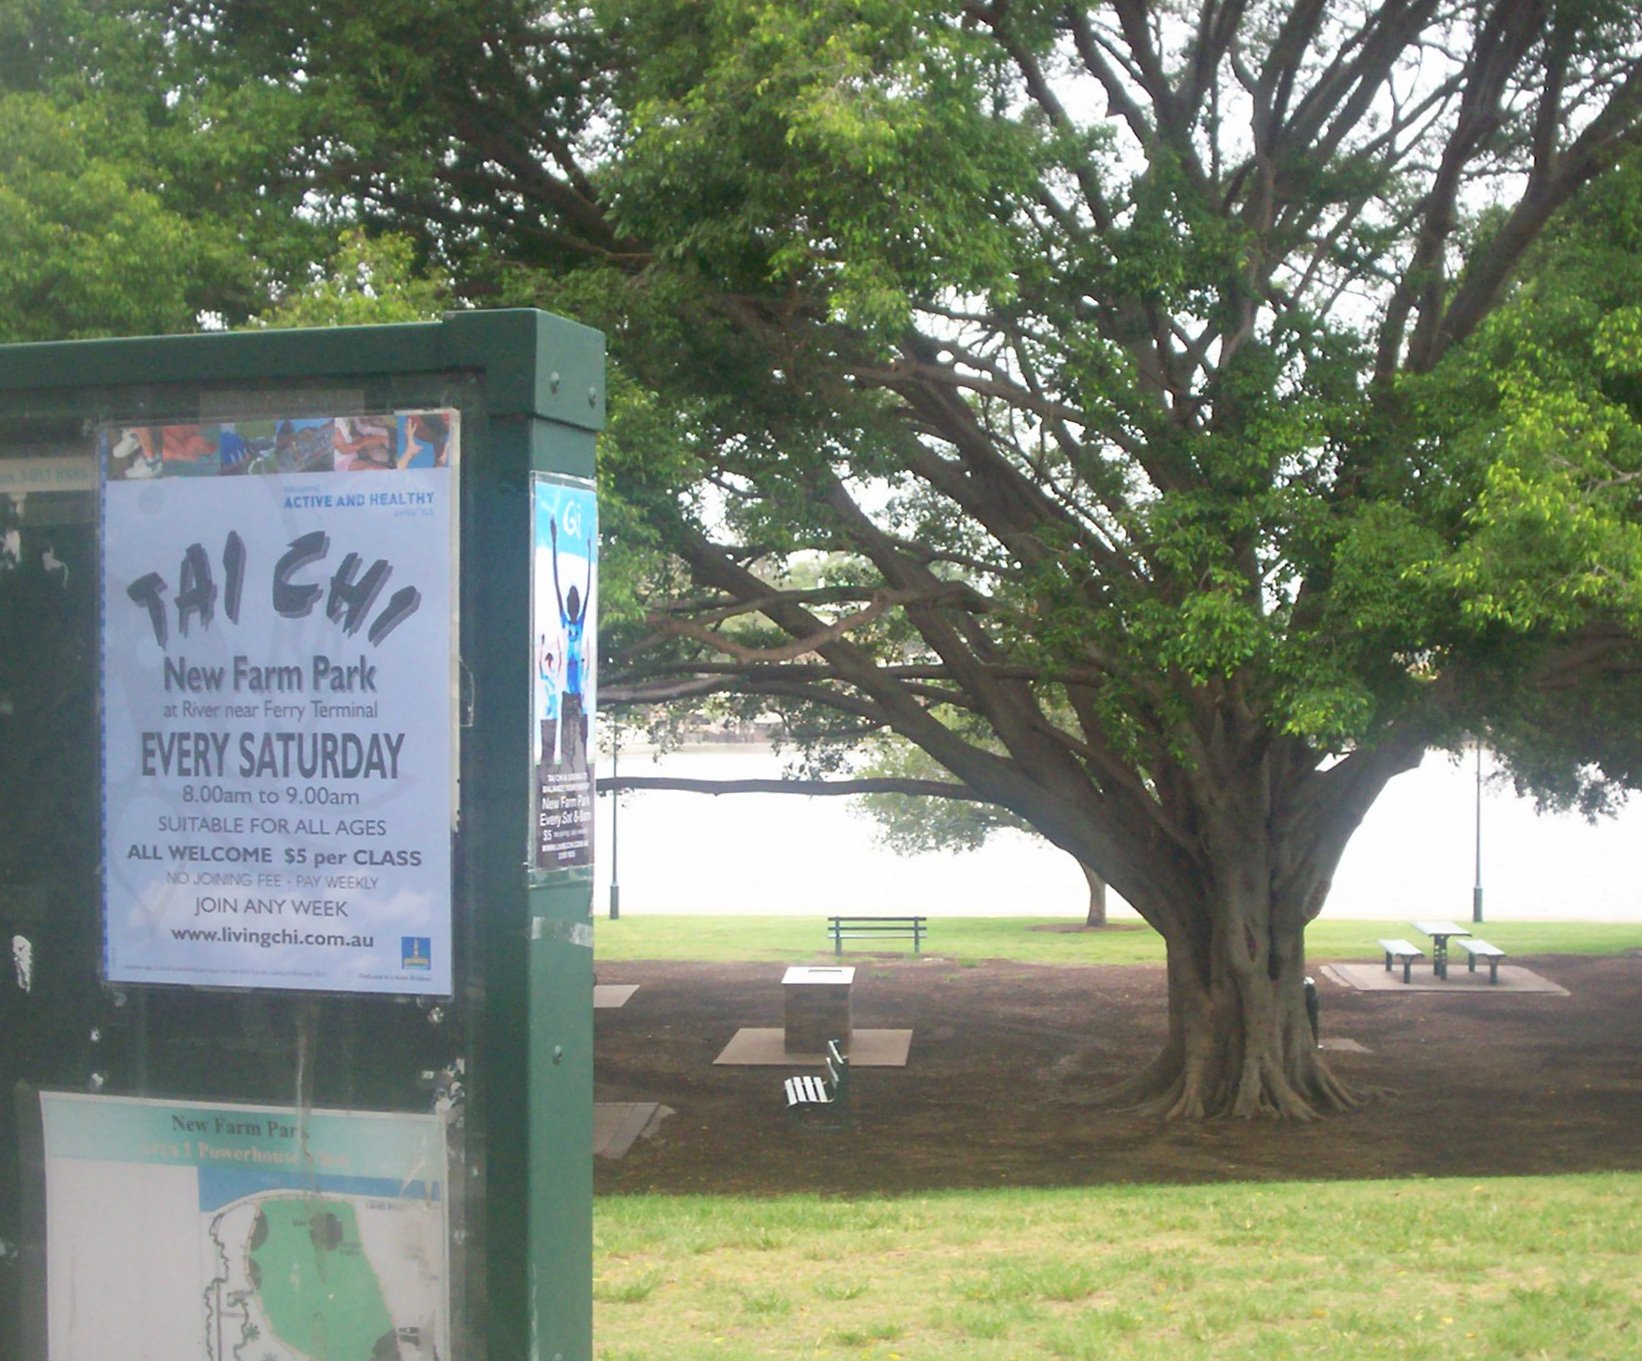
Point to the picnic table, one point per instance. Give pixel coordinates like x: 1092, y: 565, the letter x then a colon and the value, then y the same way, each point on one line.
x: 1440, y: 933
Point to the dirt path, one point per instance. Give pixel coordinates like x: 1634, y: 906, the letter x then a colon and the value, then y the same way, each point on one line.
x: 1005, y: 1058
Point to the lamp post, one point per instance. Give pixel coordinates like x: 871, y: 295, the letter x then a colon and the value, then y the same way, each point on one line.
x: 615, y: 810
x: 1476, y: 888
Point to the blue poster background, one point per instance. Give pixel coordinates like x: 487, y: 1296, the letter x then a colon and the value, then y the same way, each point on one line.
x: 564, y: 654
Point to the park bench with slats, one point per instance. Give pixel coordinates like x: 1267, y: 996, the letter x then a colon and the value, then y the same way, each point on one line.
x: 1481, y: 949
x: 1403, y: 952
x: 822, y: 1102
x: 876, y: 928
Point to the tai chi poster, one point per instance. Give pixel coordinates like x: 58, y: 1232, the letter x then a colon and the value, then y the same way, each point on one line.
x: 203, y: 1232
x: 564, y: 589
x: 278, y: 702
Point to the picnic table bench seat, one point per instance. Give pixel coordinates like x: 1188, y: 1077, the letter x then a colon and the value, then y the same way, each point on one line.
x: 844, y: 928
x: 822, y: 1102
x: 1403, y: 952
x: 1481, y: 949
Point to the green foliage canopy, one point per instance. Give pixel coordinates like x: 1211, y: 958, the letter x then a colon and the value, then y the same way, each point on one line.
x: 1216, y: 402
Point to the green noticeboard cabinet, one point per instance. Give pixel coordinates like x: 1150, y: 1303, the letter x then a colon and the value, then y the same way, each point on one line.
x: 297, y: 700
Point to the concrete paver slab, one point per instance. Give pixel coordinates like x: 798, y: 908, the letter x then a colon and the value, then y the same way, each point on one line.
x: 766, y: 1048
x: 608, y: 996
x: 1513, y: 978
x: 616, y: 1124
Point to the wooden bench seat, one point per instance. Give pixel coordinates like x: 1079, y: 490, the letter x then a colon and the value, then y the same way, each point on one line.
x: 1404, y: 952
x: 822, y: 1102
x: 876, y: 928
x: 1481, y: 949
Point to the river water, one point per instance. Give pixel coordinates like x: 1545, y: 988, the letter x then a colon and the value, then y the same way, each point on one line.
x: 1414, y: 856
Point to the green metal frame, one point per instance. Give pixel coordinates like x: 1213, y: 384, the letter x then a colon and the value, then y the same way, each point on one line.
x: 531, y: 387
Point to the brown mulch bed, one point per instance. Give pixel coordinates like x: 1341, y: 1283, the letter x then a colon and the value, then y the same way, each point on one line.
x: 1007, y: 1058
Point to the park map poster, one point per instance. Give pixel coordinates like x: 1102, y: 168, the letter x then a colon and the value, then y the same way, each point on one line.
x: 278, y: 702
x: 564, y: 587
x: 210, y: 1232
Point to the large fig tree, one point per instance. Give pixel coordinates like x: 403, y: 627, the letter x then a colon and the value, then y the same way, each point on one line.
x: 1180, y: 391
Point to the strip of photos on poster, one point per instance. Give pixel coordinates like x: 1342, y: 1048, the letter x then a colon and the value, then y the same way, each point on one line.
x: 564, y: 610
x: 279, y: 717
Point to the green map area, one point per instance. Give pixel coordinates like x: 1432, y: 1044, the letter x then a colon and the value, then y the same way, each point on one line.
x: 318, y: 1291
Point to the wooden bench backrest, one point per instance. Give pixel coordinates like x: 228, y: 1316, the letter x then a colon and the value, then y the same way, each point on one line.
x: 838, y: 1072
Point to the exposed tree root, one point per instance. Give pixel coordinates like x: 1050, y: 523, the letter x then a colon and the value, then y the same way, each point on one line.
x: 1170, y: 1089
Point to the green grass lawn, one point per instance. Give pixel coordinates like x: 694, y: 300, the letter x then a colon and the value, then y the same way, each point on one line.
x: 971, y: 939
x: 1531, y: 1268
x: 1536, y: 1269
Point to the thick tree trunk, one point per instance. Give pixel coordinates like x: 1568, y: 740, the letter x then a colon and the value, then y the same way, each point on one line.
x: 1097, y: 896
x: 1240, y: 1042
